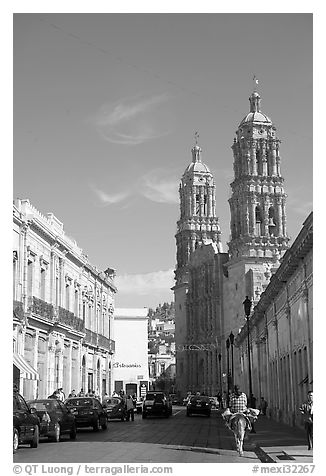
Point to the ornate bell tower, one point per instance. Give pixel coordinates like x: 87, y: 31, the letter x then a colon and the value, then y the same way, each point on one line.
x: 257, y: 204
x: 198, y: 221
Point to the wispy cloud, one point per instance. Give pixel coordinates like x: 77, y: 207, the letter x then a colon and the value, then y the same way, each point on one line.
x: 134, y: 120
x: 143, y: 284
x: 109, y: 199
x: 160, y: 189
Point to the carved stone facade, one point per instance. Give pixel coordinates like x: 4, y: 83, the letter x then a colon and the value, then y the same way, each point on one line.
x: 281, y: 334
x: 63, y: 309
x: 198, y: 224
x: 211, y: 286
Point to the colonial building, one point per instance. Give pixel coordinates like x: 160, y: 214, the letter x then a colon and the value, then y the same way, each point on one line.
x: 198, y: 222
x: 63, y: 310
x: 131, y: 360
x: 280, y: 334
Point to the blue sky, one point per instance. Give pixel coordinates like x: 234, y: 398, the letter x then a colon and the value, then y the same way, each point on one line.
x: 105, y: 111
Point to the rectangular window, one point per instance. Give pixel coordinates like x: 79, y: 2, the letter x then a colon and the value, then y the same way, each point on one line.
x: 67, y: 296
x: 30, y: 278
x: 57, y: 291
x: 76, y: 303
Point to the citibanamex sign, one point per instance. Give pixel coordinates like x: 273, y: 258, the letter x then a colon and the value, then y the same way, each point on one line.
x: 195, y: 347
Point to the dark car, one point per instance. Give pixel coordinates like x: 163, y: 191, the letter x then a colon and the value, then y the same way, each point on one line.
x: 199, y: 405
x: 157, y: 403
x: 26, y: 424
x: 88, y: 411
x: 115, y: 408
x: 55, y: 418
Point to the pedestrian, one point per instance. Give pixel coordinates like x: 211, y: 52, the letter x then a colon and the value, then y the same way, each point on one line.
x: 130, y: 409
x: 54, y: 395
x: 224, y: 399
x: 307, y: 410
x: 72, y: 394
x: 263, y: 406
x: 81, y: 393
x: 61, y: 395
x: 253, y: 400
x: 238, y: 404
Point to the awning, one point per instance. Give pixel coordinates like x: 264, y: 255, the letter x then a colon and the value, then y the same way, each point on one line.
x: 27, y: 371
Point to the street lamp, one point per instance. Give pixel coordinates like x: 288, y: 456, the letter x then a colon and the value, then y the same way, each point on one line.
x: 228, y: 367
x: 231, y: 338
x: 247, y: 309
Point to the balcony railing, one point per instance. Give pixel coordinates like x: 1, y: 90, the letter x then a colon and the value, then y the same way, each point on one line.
x: 98, y: 340
x: 41, y: 308
x: 69, y: 319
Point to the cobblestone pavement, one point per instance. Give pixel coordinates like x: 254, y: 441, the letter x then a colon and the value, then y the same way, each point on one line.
x: 179, y: 439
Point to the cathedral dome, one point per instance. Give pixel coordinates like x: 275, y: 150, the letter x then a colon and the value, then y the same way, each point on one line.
x: 198, y: 167
x: 255, y: 117
x: 255, y: 114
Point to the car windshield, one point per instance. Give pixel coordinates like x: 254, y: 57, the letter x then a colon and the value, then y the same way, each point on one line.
x: 79, y: 402
x: 158, y: 397
x: 46, y: 406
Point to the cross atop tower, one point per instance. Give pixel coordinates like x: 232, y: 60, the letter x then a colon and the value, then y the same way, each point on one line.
x: 255, y: 83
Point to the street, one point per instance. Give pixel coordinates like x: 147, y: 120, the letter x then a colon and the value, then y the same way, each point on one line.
x: 178, y: 439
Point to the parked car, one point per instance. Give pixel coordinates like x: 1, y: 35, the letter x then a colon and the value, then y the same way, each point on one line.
x: 88, y: 411
x: 55, y: 419
x: 214, y: 402
x: 199, y: 405
x: 156, y: 403
x: 115, y: 408
x: 26, y: 424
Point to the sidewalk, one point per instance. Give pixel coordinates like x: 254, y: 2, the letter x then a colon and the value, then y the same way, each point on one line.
x: 277, y: 442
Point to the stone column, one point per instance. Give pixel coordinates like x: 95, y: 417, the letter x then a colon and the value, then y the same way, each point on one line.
x: 253, y: 158
x: 35, y: 362
x: 275, y: 324
x: 293, y: 400
x: 51, y: 366
x: 305, y: 297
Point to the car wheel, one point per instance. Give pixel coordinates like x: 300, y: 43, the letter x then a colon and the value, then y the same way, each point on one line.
x: 36, y: 437
x: 57, y: 433
x: 73, y: 433
x: 208, y: 414
x: 122, y: 418
x: 144, y: 415
x: 15, y: 440
x: 97, y: 425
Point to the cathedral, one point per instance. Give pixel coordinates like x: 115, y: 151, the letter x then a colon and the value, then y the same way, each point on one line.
x: 211, y: 285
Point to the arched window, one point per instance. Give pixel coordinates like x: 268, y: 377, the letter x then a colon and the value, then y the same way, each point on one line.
x: 271, y: 221
x: 258, y: 221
